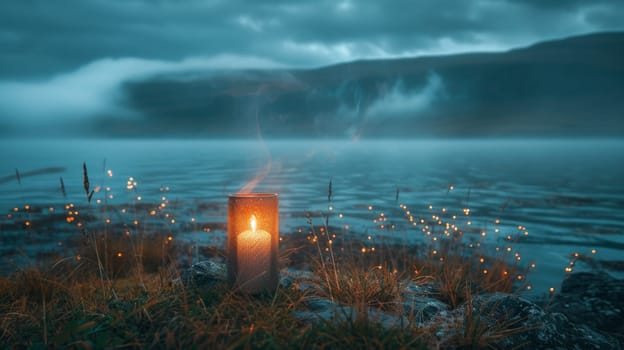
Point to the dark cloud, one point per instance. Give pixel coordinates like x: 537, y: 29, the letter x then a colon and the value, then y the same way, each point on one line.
x: 74, y: 56
x: 43, y: 37
x: 559, y: 5
x: 58, y: 37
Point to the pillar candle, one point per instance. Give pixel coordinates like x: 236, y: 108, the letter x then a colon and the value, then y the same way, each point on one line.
x: 253, y: 254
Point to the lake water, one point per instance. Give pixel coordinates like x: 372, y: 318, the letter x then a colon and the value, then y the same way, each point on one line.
x: 567, y: 194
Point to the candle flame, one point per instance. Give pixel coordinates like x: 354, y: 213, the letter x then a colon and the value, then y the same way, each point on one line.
x: 252, y: 223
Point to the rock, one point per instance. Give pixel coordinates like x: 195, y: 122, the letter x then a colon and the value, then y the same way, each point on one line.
x: 300, y: 279
x: 592, y: 299
x: 419, y: 305
x: 387, y: 320
x: 204, y: 273
x: 321, y: 309
x: 427, y: 289
x: 520, y: 323
x: 422, y: 309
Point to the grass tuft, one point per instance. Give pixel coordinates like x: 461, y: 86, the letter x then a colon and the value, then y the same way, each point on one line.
x: 120, y: 287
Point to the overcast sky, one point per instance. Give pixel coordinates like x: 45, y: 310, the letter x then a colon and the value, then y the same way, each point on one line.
x: 40, y: 38
x: 70, y: 57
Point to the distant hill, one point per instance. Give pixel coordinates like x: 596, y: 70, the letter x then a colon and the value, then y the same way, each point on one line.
x: 568, y: 87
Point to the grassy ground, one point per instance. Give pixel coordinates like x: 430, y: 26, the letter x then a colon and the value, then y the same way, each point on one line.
x: 106, y: 300
x: 120, y: 288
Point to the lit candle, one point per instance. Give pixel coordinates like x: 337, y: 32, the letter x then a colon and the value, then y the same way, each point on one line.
x: 253, y: 239
x: 253, y: 254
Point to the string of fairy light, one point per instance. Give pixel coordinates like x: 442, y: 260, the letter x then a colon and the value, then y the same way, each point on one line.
x: 448, y: 228
x: 433, y: 223
x: 72, y: 213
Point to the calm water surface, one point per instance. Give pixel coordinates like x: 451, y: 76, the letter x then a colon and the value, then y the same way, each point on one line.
x: 567, y: 194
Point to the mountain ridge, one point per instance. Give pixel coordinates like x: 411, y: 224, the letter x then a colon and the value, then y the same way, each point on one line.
x: 566, y: 87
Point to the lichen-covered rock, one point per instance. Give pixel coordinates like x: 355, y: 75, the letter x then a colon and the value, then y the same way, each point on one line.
x: 423, y: 309
x: 321, y: 309
x: 419, y: 304
x: 592, y: 299
x: 204, y: 273
x: 300, y: 279
x: 420, y: 289
x: 508, y: 321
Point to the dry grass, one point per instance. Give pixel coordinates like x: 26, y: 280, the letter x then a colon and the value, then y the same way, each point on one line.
x: 45, y: 309
x: 121, y: 255
x: 355, y: 285
x: 118, y: 291
x: 60, y: 307
x: 362, y: 334
x: 459, y: 276
x: 481, y: 328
